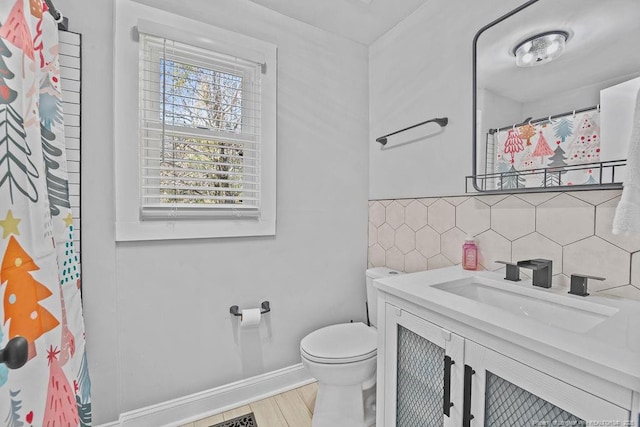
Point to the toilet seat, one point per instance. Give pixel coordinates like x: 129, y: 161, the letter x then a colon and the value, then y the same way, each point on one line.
x: 339, y: 344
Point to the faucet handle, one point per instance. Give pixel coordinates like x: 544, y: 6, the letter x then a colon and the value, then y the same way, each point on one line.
x: 513, y: 271
x: 579, y: 284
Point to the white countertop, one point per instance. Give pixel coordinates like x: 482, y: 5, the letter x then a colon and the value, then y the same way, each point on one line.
x: 610, y: 350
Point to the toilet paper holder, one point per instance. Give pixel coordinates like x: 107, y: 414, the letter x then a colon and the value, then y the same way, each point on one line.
x: 264, y: 308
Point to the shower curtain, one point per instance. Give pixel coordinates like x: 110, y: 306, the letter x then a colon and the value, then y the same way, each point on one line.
x: 39, y: 273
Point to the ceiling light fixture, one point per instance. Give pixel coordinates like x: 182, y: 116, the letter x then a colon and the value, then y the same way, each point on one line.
x: 540, y: 49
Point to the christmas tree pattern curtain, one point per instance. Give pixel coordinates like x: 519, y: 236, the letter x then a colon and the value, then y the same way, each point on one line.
x: 552, y: 145
x: 39, y: 274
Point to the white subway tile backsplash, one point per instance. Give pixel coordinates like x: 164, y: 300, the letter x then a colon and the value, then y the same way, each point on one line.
x: 572, y: 229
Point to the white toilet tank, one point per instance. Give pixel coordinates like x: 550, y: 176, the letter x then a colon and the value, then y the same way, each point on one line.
x: 372, y: 292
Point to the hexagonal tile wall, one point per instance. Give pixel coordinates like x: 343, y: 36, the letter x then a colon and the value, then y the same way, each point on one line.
x: 415, y: 215
x: 405, y: 239
x: 473, y: 216
x: 377, y: 214
x: 635, y: 269
x: 536, y: 198
x: 596, y: 197
x: 395, y: 259
x: 492, y: 247
x: 513, y: 217
x: 628, y: 291
x: 377, y: 256
x: 373, y: 234
x: 491, y: 199
x: 427, y: 233
x: 414, y: 261
x: 451, y: 244
x: 535, y: 245
x: 442, y: 216
x: 438, y: 261
x: 604, y: 224
x: 428, y: 242
x: 597, y: 257
x: 386, y: 236
x: 565, y: 219
x: 395, y: 214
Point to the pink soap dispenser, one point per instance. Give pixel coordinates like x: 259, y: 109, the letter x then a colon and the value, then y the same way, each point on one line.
x: 469, y: 254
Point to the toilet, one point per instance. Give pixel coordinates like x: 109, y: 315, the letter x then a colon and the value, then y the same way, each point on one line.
x: 342, y: 358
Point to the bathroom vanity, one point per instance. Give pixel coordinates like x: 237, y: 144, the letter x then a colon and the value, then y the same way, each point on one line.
x: 470, y: 348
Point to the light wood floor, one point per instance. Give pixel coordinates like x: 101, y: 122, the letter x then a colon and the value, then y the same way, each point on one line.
x: 293, y: 408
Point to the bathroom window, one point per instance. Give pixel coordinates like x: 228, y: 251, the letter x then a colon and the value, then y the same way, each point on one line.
x: 199, y: 132
x: 206, y: 127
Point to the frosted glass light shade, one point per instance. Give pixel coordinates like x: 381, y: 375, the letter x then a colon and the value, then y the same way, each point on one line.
x: 540, y: 49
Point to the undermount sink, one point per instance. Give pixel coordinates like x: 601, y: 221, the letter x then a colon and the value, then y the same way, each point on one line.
x: 552, y: 309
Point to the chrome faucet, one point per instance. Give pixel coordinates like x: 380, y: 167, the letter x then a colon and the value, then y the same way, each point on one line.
x: 542, y: 271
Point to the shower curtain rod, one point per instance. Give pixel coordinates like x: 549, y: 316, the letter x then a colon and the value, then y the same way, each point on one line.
x: 544, y: 119
x: 63, y: 21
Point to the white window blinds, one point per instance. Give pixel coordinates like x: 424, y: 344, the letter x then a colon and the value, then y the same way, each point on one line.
x: 199, y: 132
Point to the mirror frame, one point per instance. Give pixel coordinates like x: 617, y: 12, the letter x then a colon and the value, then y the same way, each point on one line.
x: 474, y: 148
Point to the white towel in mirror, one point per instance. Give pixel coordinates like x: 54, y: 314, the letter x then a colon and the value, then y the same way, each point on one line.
x: 627, y: 217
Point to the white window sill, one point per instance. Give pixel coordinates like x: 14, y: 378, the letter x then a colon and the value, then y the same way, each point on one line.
x: 190, y: 229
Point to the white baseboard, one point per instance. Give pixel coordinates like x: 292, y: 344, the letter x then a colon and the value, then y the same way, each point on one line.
x: 200, y: 405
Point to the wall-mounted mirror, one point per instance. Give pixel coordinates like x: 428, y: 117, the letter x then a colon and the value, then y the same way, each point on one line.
x: 555, y: 83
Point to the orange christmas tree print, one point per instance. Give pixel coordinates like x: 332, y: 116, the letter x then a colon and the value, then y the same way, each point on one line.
x: 28, y: 318
x: 527, y: 132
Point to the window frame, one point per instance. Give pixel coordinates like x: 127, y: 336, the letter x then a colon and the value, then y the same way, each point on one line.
x: 129, y: 224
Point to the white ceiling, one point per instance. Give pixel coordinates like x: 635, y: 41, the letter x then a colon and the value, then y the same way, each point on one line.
x: 360, y: 20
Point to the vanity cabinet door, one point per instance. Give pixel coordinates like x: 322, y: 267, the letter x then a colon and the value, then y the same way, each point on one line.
x: 423, y: 372
x: 501, y: 391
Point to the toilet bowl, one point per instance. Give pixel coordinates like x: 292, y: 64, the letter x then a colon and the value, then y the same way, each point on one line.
x: 343, y: 359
